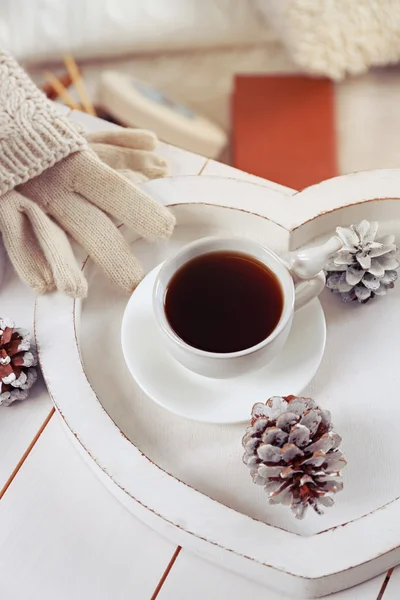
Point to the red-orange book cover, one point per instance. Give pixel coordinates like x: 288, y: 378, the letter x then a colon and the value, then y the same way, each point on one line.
x: 284, y: 128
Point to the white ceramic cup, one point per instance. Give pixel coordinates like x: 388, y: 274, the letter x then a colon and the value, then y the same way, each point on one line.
x: 301, y: 280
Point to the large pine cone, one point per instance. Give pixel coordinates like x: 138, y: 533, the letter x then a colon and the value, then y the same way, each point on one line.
x: 292, y: 451
x: 365, y: 266
x: 17, y: 361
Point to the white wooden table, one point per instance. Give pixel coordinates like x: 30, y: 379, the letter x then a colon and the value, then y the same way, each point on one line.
x: 62, y: 535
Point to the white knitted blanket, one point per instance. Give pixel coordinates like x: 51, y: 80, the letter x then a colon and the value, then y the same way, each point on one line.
x: 335, y: 37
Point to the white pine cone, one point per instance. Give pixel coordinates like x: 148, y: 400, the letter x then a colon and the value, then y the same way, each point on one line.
x: 366, y: 266
x: 291, y: 450
x: 17, y: 362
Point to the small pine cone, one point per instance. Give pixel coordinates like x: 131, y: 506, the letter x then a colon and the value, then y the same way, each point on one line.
x: 365, y: 266
x: 17, y: 362
x: 291, y: 450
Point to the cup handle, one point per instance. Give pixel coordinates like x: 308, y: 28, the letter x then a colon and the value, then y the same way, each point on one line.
x: 306, y: 268
x: 307, y: 289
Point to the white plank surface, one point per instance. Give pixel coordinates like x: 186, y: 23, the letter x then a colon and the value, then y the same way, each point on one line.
x: 20, y: 421
x: 392, y: 591
x: 194, y: 578
x: 64, y: 537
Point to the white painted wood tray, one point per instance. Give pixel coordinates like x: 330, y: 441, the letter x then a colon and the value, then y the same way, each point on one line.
x: 186, y: 479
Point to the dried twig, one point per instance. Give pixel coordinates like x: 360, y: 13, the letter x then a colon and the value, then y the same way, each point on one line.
x: 77, y: 80
x: 61, y: 90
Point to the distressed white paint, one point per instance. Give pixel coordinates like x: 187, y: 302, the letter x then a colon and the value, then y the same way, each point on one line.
x: 341, y: 556
x: 64, y: 537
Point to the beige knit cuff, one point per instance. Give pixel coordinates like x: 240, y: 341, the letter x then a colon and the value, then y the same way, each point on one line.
x: 33, y: 135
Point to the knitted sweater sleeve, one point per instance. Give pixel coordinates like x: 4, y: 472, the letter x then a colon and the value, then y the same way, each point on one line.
x: 33, y: 135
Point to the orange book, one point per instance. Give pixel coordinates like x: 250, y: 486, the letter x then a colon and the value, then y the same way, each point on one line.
x: 284, y: 128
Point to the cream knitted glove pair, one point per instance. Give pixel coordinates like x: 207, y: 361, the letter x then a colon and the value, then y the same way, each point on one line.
x: 52, y: 181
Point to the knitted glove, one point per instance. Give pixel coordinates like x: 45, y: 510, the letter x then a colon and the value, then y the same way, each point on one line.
x: 64, y: 179
x: 130, y: 151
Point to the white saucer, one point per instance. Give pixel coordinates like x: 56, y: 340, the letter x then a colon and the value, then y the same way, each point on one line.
x: 216, y: 400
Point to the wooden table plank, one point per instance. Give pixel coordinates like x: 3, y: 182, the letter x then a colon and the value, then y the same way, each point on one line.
x: 64, y: 536
x: 392, y: 591
x: 19, y: 422
x: 194, y: 578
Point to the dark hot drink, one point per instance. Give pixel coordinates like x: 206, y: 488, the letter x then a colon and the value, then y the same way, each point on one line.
x: 224, y: 302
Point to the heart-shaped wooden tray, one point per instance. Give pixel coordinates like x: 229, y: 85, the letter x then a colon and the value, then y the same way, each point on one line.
x: 186, y: 479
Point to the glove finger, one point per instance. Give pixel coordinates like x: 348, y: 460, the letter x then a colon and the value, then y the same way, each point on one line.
x: 116, y: 195
x: 140, y: 161
x: 133, y: 176
x: 68, y: 277
x: 139, y: 139
x: 95, y: 231
x: 22, y: 246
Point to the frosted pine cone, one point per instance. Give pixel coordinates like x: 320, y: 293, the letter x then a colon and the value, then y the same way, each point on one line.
x: 365, y: 267
x: 291, y: 450
x: 17, y: 361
